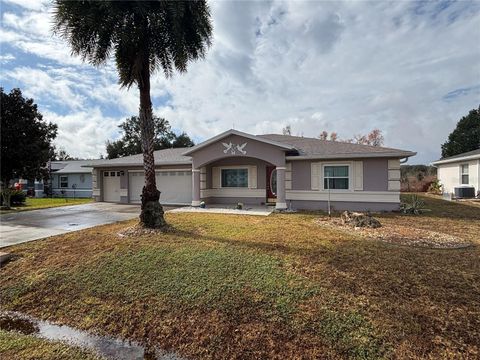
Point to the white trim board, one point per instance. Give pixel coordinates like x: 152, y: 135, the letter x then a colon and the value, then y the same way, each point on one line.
x: 357, y: 196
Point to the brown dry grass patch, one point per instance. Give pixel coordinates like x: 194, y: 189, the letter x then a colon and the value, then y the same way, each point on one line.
x: 223, y: 287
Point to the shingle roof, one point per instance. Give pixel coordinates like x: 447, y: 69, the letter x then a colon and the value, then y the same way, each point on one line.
x: 306, y: 147
x: 73, y: 166
x: 468, y: 153
x: 312, y: 147
x: 474, y: 154
x: 162, y: 157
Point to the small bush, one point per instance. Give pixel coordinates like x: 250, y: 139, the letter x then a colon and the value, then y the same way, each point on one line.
x: 18, y: 197
x: 435, y: 187
x: 415, y: 206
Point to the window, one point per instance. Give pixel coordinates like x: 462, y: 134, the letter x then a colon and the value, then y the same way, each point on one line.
x: 335, y: 177
x: 105, y: 173
x: 465, y: 180
x: 64, y: 181
x: 112, y: 173
x: 235, y: 178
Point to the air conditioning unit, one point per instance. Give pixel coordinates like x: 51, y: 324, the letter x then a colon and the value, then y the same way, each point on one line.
x: 465, y: 192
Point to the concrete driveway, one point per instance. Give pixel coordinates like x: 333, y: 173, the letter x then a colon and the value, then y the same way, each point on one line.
x: 16, y: 228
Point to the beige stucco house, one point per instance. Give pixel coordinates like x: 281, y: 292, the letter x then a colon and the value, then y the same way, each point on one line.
x: 459, y: 171
x: 282, y: 170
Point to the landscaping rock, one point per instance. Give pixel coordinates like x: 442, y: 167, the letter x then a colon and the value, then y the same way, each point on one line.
x: 356, y: 219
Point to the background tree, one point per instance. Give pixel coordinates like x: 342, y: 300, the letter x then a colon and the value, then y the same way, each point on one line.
x: 373, y: 138
x: 465, y: 137
x: 61, y: 155
x: 182, y: 140
x: 287, y: 130
x: 143, y: 36
x: 26, y: 139
x: 131, y: 141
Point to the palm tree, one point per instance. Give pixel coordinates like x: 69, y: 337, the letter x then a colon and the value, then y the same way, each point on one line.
x: 142, y: 36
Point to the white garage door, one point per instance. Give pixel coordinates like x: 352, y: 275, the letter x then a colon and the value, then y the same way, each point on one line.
x: 175, y: 186
x: 111, y: 186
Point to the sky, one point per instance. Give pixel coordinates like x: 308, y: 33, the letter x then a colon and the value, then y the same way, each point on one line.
x: 410, y: 69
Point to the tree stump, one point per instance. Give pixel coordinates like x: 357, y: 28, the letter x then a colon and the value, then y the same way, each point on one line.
x: 357, y: 219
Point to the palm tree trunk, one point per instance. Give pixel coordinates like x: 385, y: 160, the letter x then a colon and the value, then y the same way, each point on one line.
x: 152, y: 212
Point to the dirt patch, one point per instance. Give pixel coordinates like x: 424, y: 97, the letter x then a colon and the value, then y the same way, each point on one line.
x: 400, y: 235
x: 140, y: 230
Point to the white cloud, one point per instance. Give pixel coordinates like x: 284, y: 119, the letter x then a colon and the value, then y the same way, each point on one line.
x: 83, y: 133
x: 45, y: 87
x: 4, y: 59
x: 345, y: 67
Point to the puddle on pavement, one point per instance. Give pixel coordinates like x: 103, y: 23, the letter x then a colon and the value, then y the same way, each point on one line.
x: 107, y: 347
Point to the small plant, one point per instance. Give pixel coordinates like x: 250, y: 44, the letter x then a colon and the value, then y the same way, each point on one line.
x: 239, y: 206
x: 415, y: 206
x: 10, y: 197
x: 435, y: 187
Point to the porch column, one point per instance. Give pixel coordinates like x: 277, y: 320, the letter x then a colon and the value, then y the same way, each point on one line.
x: 195, y: 187
x: 281, y: 204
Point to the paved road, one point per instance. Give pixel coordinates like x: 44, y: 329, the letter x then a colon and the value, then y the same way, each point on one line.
x: 16, y: 228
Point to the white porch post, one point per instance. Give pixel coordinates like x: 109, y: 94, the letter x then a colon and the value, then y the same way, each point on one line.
x: 281, y: 202
x: 195, y: 187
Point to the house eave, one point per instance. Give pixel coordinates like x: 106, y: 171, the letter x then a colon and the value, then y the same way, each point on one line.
x: 458, y: 159
x: 352, y: 156
x: 121, y: 165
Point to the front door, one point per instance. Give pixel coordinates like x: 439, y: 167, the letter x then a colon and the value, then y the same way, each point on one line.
x: 271, y: 184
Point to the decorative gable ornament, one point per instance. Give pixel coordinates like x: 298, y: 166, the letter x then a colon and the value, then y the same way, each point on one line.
x: 233, y: 148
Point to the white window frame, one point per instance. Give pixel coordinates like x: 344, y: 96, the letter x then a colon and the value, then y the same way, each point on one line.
x: 233, y: 167
x: 350, y: 178
x: 60, y: 182
x: 462, y: 174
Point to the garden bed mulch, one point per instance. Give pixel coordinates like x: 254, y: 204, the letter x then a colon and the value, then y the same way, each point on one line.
x: 400, y: 235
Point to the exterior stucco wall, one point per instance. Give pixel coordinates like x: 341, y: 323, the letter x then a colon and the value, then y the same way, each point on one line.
x: 254, y: 149
x: 375, y: 174
x: 301, y: 179
x: 450, y: 175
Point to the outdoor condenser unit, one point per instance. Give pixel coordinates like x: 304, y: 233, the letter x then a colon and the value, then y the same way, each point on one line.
x: 465, y: 192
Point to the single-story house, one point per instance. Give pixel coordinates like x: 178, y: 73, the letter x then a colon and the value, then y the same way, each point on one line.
x: 459, y: 171
x: 68, y: 178
x: 288, y: 171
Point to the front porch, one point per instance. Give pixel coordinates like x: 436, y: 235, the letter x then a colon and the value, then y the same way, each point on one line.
x: 245, y: 180
x: 236, y: 168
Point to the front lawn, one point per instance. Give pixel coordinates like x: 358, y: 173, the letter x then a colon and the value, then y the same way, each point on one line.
x: 282, y: 286
x: 42, y: 203
x: 14, y: 345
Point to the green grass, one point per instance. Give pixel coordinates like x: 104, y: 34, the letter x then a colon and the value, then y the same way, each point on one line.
x: 222, y: 278
x: 43, y: 203
x: 17, y: 346
x: 282, y: 286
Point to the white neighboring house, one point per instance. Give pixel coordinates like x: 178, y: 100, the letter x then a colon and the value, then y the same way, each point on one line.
x: 69, y: 178
x: 462, y: 170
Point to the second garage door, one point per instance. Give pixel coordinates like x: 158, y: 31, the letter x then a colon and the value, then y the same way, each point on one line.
x: 175, y: 186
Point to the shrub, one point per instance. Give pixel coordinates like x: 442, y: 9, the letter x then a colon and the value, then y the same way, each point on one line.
x: 17, y: 197
x: 435, y: 187
x: 414, y: 206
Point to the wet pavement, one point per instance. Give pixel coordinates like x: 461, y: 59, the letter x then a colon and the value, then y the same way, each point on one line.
x: 108, y: 347
x: 16, y: 228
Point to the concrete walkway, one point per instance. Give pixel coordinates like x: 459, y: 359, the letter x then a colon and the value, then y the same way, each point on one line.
x: 16, y: 228
x: 224, y: 209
